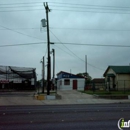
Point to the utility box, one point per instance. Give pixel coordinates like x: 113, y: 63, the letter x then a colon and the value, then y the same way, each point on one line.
x: 43, y: 21
x: 50, y: 97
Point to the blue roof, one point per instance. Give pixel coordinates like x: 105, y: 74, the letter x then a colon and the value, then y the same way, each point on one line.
x: 63, y: 74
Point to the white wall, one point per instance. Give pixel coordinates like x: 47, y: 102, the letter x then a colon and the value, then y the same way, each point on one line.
x: 123, y: 81
x: 80, y: 84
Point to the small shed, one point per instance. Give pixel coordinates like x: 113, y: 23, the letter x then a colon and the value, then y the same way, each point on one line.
x: 68, y: 81
x: 99, y: 83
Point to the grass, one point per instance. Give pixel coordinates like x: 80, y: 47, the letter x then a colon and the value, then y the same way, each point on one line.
x: 105, y: 93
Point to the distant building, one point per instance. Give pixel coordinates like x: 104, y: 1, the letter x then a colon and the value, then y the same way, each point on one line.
x: 17, y: 78
x: 99, y: 83
x: 68, y: 81
x: 117, y: 77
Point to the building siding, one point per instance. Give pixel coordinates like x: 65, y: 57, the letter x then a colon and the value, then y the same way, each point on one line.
x: 80, y: 84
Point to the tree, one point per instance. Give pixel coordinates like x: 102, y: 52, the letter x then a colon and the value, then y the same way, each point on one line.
x: 86, y: 76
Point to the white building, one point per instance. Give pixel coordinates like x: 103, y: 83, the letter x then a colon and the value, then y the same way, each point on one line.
x: 68, y: 81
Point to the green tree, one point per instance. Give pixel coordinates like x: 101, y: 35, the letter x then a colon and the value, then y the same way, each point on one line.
x: 86, y: 76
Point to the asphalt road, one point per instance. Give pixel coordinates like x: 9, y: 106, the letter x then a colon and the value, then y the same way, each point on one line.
x: 63, y: 117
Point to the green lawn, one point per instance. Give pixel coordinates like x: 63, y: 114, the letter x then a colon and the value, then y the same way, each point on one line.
x: 113, y: 93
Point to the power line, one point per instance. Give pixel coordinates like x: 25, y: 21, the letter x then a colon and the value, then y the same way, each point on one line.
x: 74, y: 53
x: 23, y: 44
x: 19, y: 28
x: 72, y: 4
x: 101, y: 8
x: 20, y: 32
x: 90, y: 11
x: 55, y: 43
x: 21, y: 6
x: 21, y: 3
x: 97, y: 8
x: 64, y: 10
x: 20, y: 10
x: 91, y: 5
x: 87, y: 29
x: 93, y: 44
x: 63, y: 50
x: 61, y: 43
x: 84, y: 29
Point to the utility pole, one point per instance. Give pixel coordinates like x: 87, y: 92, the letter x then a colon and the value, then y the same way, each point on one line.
x: 86, y: 63
x: 53, y: 64
x: 48, y: 47
x: 43, y: 74
x: 86, y: 78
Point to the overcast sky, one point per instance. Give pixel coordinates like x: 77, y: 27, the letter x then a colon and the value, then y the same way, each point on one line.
x: 97, y: 22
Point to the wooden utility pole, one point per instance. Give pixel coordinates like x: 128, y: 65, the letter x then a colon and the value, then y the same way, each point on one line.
x: 48, y: 47
x: 53, y: 64
x: 43, y: 74
x: 86, y: 63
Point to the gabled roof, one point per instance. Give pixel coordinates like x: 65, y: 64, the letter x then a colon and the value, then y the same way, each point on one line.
x: 99, y: 80
x: 119, y: 69
x: 70, y: 74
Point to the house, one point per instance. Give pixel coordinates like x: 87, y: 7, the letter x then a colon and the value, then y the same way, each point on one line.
x: 99, y: 83
x: 117, y: 77
x: 68, y: 81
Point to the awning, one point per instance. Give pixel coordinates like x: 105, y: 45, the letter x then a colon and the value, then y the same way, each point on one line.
x: 110, y: 75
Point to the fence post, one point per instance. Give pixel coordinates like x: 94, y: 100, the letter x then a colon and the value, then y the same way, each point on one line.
x: 124, y: 86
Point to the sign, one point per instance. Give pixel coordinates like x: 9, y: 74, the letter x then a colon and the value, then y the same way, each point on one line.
x: 4, y: 81
x: 122, y: 124
x: 17, y: 81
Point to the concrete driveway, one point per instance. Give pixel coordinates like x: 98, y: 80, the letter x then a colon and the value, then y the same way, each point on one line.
x: 76, y: 97
x: 68, y: 97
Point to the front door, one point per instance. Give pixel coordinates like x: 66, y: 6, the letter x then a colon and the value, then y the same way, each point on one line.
x: 74, y: 84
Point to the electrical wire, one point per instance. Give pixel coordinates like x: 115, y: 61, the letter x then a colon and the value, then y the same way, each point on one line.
x: 87, y: 29
x: 61, y: 43
x: 21, y: 3
x: 90, y: 5
x: 74, y: 53
x: 72, y: 4
x: 19, y: 28
x: 63, y: 50
x: 20, y: 32
x: 55, y: 44
x: 23, y: 44
x: 83, y: 29
x: 97, y: 8
x: 94, y: 44
x: 16, y: 11
x: 85, y: 11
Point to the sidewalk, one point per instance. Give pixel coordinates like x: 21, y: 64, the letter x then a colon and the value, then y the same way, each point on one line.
x: 75, y: 97
x: 68, y: 97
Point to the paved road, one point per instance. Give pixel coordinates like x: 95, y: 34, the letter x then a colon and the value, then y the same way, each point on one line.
x: 63, y: 117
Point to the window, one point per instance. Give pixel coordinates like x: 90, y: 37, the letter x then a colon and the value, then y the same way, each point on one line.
x: 66, y: 82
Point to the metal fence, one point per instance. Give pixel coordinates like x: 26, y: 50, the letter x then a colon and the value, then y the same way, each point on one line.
x: 120, y: 85
x: 123, y: 85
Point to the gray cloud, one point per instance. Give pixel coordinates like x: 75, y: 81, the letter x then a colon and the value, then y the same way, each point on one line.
x: 100, y: 57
